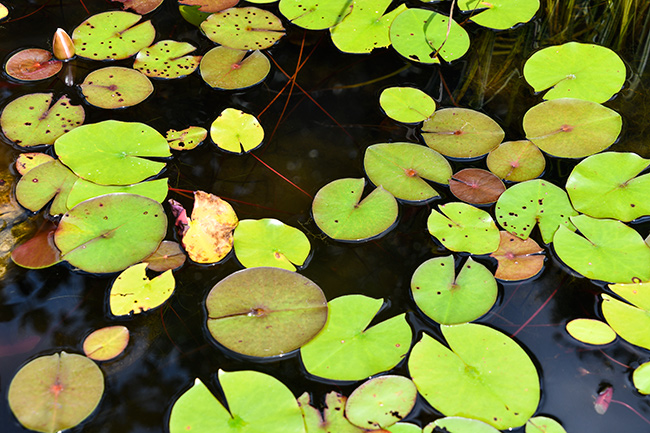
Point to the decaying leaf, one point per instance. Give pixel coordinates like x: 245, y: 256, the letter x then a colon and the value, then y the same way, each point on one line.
x: 140, y: 6
x: 210, y: 5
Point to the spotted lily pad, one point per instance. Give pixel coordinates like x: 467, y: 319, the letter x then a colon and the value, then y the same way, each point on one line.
x: 32, y: 119
x: 116, y: 87
x: 43, y: 183
x: 83, y: 190
x: 457, y: 424
x: 476, y: 186
x: 248, y: 28
x: 106, y: 343
x: 518, y: 259
x: 449, y: 299
x: 500, y: 14
x: 381, y: 401
x: 464, y: 228
x: 332, y: 418
x: 167, y: 59
x: 168, y: 255
x: 591, y: 331
x: 225, y: 68
x: 32, y: 64
x: 516, y: 161
x: 543, y: 424
x: 133, y: 292
x: 406, y: 104
x: 641, y: 378
x: 236, y: 131
x: 29, y: 160
x: 315, y: 14
x: 187, y: 139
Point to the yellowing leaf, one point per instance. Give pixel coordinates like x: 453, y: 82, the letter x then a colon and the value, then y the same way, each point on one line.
x: 134, y: 292
x: 106, y: 343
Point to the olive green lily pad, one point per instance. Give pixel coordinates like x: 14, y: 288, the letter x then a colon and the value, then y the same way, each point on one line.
x: 401, y: 169
x: 116, y: 87
x: 458, y: 424
x: 186, y: 139
x: 543, y: 424
x: 574, y: 70
x: 133, y: 292
x: 518, y: 259
x: 44, y: 182
x: 641, y: 378
x: 449, y: 299
x: 461, y: 133
x: 464, y: 228
x: 112, y: 152
x: 168, y: 255
x: 30, y: 160
x: 236, y: 131
x: 106, y: 343
x: 406, y: 104
x: 630, y: 322
x: 265, y: 311
x: 516, y: 161
x: 500, y: 14
x: 534, y: 202
x: 111, y: 232
x: 32, y: 64
x: 340, y: 214
x: 499, y: 382
x: 591, y: 331
x: 315, y: 14
x: 55, y: 392
x: 571, y: 128
x: 112, y: 35
x: 32, y: 119
x: 167, y: 59
x: 225, y: 68
x: 476, y: 186
x: 83, y: 190
x: 346, y: 349
x: 332, y: 418
x: 609, y: 251
x: 381, y: 401
x: 248, y: 28
x: 606, y: 185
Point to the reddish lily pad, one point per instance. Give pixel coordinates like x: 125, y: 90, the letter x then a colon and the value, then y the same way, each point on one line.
x: 30, y: 160
x: 518, y: 259
x: 248, y: 28
x: 381, y: 401
x: 516, y: 161
x: 32, y: 64
x: 38, y: 252
x: 116, y: 87
x: 141, y: 7
x: 225, y: 68
x: 106, y: 343
x: 476, y: 186
x: 210, y: 6
x: 168, y: 255
x: 43, y: 183
x: 167, y: 59
x: 186, y: 139
x: 134, y: 293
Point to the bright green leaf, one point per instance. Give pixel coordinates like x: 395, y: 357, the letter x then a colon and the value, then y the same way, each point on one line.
x: 458, y: 424
x: 464, y: 228
x: 641, y: 378
x: 133, y: 292
x: 44, y: 182
x: 236, y: 131
x: 591, y: 331
x: 332, y: 418
x: 248, y: 28
x: 83, y: 190
x: 406, y: 104
x: 628, y: 321
x: 516, y: 161
x: 315, y: 14
x: 500, y: 14
x: 187, y: 139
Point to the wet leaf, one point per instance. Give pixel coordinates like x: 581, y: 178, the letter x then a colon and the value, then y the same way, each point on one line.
x: 116, y: 87
x: 518, y: 259
x: 543, y: 424
x: 265, y: 311
x: 591, y: 331
x: 500, y: 14
x: 641, y: 378
x: 141, y: 7
x: 406, y: 104
x: 476, y: 186
x: 83, y: 190
x: 167, y: 59
x: 315, y: 14
x: 630, y: 322
x: 38, y: 252
x: 106, y: 343
x: 168, y: 255
x: 516, y: 161
x: 133, y: 292
x: 236, y: 131
x: 55, y: 392
x: 381, y: 401
x: 30, y: 160
x: 464, y: 228
x: 51, y: 180
x: 332, y: 418
x: 210, y: 6
x: 225, y: 68
x: 248, y: 28
x: 458, y: 424
x: 32, y: 64
x: 186, y: 139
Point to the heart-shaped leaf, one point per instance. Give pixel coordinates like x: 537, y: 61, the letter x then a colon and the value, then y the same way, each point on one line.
x: 236, y: 131
x: 32, y: 64
x: 500, y: 14
x: 381, y: 401
x: 476, y: 186
x: 518, y: 259
x: 106, y: 343
x: 187, y: 139
x: 133, y: 292
x: 248, y: 28
x: 167, y: 59
x: 464, y: 228
x: 225, y: 68
x: 406, y: 104
x: 516, y: 161
x: 46, y: 181
x: 315, y: 14
x: 116, y: 87
x: 332, y: 418
x: 591, y: 331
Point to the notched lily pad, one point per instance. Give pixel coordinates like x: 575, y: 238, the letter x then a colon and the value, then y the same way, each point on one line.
x: 116, y: 87
x: 516, y: 161
x: 332, y: 418
x: 476, y: 186
x: 464, y: 228
x: 248, y: 28
x: 210, y: 6
x: 406, y: 104
x: 106, y: 343
x: 543, y: 424
x: 500, y: 14
x: 38, y: 252
x: 518, y: 259
x: 630, y: 322
x: 167, y: 59
x: 315, y: 14
x: 141, y: 7
x: 457, y: 424
x: 32, y: 64
x: 168, y: 255
x: 83, y: 190
x: 43, y: 183
x: 225, y: 68
x: 186, y: 139
x: 380, y: 402
x: 30, y: 160
x: 133, y: 292
x: 236, y: 131
x: 591, y: 331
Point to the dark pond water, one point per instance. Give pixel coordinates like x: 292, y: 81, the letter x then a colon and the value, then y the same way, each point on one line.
x: 46, y: 311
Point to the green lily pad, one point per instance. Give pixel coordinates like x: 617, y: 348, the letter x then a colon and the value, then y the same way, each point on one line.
x: 167, y: 59
x: 641, y: 378
x: 111, y: 152
x: 83, y: 190
x: 332, y: 418
x: 591, y: 331
x: 256, y: 402
x: 55, y: 392
x: 168, y: 255
x: 543, y: 424
x: 315, y: 14
x: 133, y: 292
x: 366, y: 27
x: 476, y: 186
x: 43, y: 183
x: 534, y: 202
x: 116, y: 87
x: 192, y: 14
x: 381, y: 401
x: 32, y: 64
x: 609, y: 251
x: 500, y: 14
x: 448, y: 299
x: 346, y: 349
x: 458, y: 424
x: 269, y: 242
x: 265, y: 311
x: 606, y: 185
x: 111, y: 232
x: 401, y: 169
x: 112, y: 35
x: 32, y: 119
x: 248, y: 28
x: 629, y: 321
x: 225, y: 68
x: 236, y: 131
x: 106, y: 343
x: 518, y: 259
x: 461, y: 133
x: 27, y: 161
x: 406, y: 104
x: 572, y: 128
x: 187, y: 139
x: 499, y: 382
x: 464, y: 228
x: 340, y: 215
x: 638, y: 293
x: 575, y: 70
x: 516, y: 161
x: 404, y: 427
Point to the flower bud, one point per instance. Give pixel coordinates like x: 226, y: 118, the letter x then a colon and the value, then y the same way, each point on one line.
x: 62, y: 45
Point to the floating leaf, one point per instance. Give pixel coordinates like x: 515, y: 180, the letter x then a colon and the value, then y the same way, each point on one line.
x: 30, y: 120
x: 187, y: 139
x: 225, y: 68
x: 331, y: 420
x: 543, y: 424
x: 476, y: 186
x: 133, y: 292
x: 112, y: 35
x: 55, y: 392
x: 111, y: 232
x: 210, y: 6
x: 518, y: 259
x: 265, y: 311
x: 167, y: 59
x: 574, y: 70
x: 571, y: 128
x: 82, y: 190
x: 628, y: 321
x: 458, y: 424
x: 269, y: 242
x: 641, y: 378
x: 236, y: 131
x: 111, y: 152
x: 609, y: 251
x: 32, y: 64
x: 606, y: 186
x: 30, y: 160
x: 315, y: 14
x: 39, y: 252
x: 404, y: 427
x: 168, y: 255
x: 43, y: 183
x: 401, y: 169
x: 461, y: 133
x: 591, y: 331
x: 248, y: 28
x: 346, y: 349
x: 141, y: 7
x: 341, y: 216
x: 106, y: 343
x: 516, y: 161
x: 381, y: 401
x: 464, y: 228
x: 499, y: 382
x: 193, y: 15
x: 406, y: 104
x: 638, y: 293
x: 500, y: 14
x: 116, y: 87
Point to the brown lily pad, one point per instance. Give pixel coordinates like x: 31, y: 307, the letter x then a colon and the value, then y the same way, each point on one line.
x: 169, y: 255
x: 210, y: 6
x: 476, y: 186
x: 38, y: 252
x: 32, y: 64
x: 141, y: 7
x: 518, y: 259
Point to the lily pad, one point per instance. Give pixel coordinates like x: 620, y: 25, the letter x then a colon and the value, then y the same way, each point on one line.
x: 116, y: 87
x: 106, y: 343
x: 543, y: 424
x: 32, y: 64
x: 591, y: 331
x: 187, y: 139
x: 638, y: 293
x: 167, y: 59
x: 609, y: 251
x: 168, y: 255
x: 458, y: 424
x: 111, y: 152
x: 82, y: 190
x: 248, y: 28
x: 141, y: 7
x: 346, y: 349
x: 518, y: 259
x: 449, y: 299
x: 112, y: 35
x: 516, y: 161
x: 111, y: 232
x: 464, y: 228
x: 315, y: 14
x: 340, y: 214
x: 332, y: 418
x: 265, y: 311
x: 133, y: 292
x: 193, y: 15
x: 210, y: 6
x: 32, y: 119
x: 381, y: 401
x: 461, y: 133
x: 499, y: 382
x: 30, y: 160
x: 641, y: 378
x: 425, y: 36
x: 55, y: 392
x: 269, y: 242
x: 476, y: 186
x: 630, y: 322
x: 236, y: 131
x: 3, y: 11
x: 404, y: 427
x: 39, y: 252
x: 606, y: 185
x: 571, y: 128
x: 500, y: 14
x: 574, y: 70
x: 401, y: 169
x: 406, y: 104
x: 225, y: 68
x: 43, y: 183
